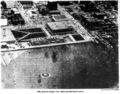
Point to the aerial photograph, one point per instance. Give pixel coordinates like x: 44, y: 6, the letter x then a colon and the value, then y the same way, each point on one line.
x: 59, y: 44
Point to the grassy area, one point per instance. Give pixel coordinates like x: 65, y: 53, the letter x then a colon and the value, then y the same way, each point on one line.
x: 85, y: 65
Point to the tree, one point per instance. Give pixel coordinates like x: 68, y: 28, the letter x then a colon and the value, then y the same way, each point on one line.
x: 4, y: 5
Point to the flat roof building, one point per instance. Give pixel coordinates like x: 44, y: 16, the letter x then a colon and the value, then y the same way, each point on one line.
x: 59, y: 18
x: 62, y: 27
x: 27, y: 4
x: 58, y: 25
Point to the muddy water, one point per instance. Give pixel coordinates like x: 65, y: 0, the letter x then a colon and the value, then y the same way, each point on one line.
x: 84, y: 65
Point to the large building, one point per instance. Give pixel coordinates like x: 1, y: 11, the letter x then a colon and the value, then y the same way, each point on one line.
x: 62, y: 27
x: 59, y: 18
x: 26, y: 4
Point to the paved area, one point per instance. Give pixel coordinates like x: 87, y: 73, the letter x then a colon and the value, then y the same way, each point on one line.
x: 6, y: 35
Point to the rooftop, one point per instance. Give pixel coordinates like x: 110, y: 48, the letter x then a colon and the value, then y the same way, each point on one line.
x: 59, y: 17
x: 59, y: 25
x: 26, y: 2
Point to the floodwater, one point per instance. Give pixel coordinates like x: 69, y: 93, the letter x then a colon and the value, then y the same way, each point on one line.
x: 85, y: 65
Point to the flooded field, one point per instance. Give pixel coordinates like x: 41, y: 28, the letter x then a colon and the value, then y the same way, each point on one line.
x: 84, y: 65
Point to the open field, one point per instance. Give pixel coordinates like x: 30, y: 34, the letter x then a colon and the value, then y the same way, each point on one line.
x: 84, y: 65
